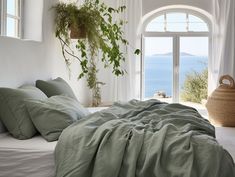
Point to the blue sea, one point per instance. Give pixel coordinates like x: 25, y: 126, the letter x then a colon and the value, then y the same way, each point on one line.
x: 159, y: 72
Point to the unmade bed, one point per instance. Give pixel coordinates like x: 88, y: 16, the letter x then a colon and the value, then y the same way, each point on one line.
x: 36, y: 157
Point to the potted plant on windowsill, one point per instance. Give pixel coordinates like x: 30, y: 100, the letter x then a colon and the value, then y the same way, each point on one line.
x: 97, y: 33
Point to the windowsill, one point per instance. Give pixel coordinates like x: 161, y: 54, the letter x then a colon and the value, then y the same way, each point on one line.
x: 95, y: 109
x: 19, y: 39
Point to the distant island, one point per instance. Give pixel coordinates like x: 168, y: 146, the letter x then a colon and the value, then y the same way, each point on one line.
x: 170, y: 54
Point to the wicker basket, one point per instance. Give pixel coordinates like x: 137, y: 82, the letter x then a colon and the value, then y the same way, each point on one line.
x: 221, y: 103
x: 77, y: 33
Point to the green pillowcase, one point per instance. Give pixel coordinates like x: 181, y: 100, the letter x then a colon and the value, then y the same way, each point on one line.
x: 13, y: 111
x: 54, y: 87
x: 54, y: 114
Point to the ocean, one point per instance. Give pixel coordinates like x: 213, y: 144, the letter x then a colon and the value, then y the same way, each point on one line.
x: 159, y: 72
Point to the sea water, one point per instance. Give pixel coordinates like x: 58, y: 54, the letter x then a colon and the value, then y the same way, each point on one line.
x: 159, y: 72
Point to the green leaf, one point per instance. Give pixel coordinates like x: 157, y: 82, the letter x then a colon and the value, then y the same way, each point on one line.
x: 110, y: 9
x: 81, y: 76
x: 83, y: 54
x: 137, y: 51
x: 104, y: 34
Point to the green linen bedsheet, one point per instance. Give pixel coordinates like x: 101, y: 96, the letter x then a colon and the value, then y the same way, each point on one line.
x: 142, y: 139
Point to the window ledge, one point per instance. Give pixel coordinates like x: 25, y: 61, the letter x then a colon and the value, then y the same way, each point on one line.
x: 19, y: 39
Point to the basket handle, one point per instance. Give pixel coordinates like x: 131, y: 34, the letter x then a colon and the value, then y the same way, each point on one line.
x: 230, y: 79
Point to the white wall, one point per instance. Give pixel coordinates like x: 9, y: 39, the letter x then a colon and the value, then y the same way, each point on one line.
x: 150, y: 5
x: 23, y: 62
x: 26, y: 61
x: 32, y: 20
x: 53, y: 53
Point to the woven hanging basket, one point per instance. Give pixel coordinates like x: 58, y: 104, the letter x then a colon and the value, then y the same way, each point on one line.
x: 77, y: 32
x: 221, y: 103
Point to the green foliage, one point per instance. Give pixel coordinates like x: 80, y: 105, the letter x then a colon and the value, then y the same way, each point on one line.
x: 195, y: 86
x: 137, y: 51
x: 102, y: 34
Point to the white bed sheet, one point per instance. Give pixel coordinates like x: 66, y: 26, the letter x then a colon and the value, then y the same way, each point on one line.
x: 226, y: 137
x: 26, y: 158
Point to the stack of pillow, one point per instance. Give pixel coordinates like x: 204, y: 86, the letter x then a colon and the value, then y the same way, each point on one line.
x: 48, y: 108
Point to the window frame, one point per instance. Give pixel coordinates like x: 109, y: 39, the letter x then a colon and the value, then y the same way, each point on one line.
x: 4, y: 15
x: 176, y: 45
x: 166, y: 22
x: 177, y: 10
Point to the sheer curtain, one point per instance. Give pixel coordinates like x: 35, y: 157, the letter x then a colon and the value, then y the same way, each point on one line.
x: 223, y: 41
x: 127, y: 87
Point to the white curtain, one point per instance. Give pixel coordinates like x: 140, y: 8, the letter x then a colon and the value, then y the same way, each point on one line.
x: 127, y: 87
x: 223, y: 41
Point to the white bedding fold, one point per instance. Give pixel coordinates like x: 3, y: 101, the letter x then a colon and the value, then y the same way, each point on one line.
x: 26, y: 158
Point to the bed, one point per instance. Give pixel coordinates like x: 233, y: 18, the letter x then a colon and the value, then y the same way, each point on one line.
x: 226, y: 137
x: 28, y: 158
x: 35, y: 157
x: 136, y: 138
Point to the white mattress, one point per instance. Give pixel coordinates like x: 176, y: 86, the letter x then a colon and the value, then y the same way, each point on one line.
x: 26, y: 158
x: 226, y: 137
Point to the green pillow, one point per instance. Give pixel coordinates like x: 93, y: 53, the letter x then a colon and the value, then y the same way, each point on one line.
x: 13, y: 111
x: 54, y: 87
x: 53, y: 115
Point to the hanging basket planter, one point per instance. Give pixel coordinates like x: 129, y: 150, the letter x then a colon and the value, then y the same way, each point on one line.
x: 221, y: 103
x: 77, y: 32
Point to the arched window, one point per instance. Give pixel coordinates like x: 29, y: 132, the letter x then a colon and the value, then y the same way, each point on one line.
x: 177, y: 22
x: 176, y: 47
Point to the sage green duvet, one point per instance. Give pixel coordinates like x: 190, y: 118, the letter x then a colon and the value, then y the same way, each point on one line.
x: 142, y: 139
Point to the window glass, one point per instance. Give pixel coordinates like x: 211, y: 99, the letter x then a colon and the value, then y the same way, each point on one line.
x: 158, y: 66
x: 10, y: 24
x: 158, y: 24
x: 196, y: 24
x: 12, y: 27
x: 12, y: 7
x: 177, y: 22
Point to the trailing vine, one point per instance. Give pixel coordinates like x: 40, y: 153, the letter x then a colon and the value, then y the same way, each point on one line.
x: 102, y: 34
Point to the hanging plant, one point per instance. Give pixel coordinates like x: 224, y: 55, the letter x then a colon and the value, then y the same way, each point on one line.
x: 95, y: 29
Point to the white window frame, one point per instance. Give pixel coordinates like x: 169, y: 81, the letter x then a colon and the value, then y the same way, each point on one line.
x: 176, y: 45
x: 4, y: 15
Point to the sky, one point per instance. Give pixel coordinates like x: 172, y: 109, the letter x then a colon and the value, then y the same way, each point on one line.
x: 177, y: 22
x: 159, y: 45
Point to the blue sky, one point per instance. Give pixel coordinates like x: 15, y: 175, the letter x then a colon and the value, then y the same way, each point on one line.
x: 193, y: 45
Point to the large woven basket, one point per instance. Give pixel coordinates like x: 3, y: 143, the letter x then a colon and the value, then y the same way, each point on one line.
x: 221, y: 103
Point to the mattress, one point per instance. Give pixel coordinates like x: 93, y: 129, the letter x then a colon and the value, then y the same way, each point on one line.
x: 26, y: 158
x: 226, y: 137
